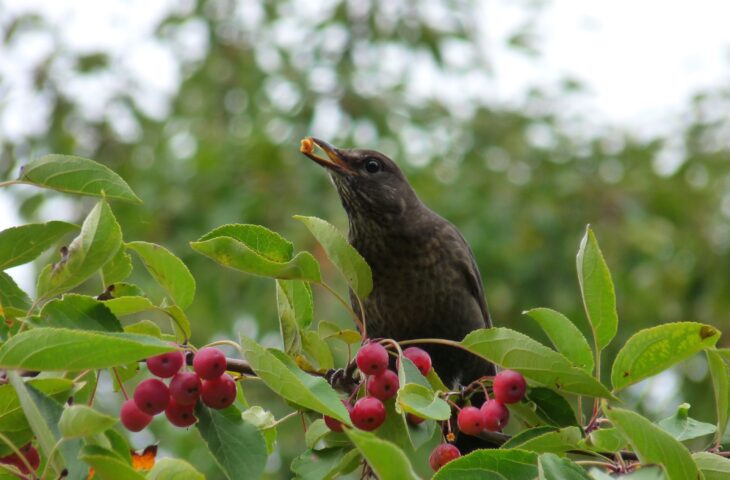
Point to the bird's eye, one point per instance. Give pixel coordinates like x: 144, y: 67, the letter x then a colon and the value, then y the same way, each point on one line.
x: 372, y: 165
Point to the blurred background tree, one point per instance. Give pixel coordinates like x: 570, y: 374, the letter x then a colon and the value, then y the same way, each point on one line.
x: 201, y: 111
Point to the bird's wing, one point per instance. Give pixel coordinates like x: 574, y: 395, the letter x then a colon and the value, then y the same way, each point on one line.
x: 471, y: 271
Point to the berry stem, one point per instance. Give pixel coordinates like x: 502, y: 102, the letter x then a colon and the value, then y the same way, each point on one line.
x: 121, y: 385
x: 93, y: 392
x: 230, y: 343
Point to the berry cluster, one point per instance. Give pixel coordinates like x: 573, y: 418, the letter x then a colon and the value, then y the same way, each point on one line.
x: 209, y: 383
x: 508, y: 387
x: 31, y: 456
x: 372, y: 359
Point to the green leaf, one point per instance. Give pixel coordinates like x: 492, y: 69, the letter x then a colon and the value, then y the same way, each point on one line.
x: 385, y: 458
x: 682, y: 427
x: 79, y: 312
x: 514, y: 350
x: 14, y: 302
x: 604, y: 440
x: 566, y: 337
x: 118, y: 268
x: 98, y: 242
x: 174, y: 469
x: 119, y: 444
x: 43, y: 415
x: 257, y: 250
x: 655, y: 349
x: 236, y: 445
x: 167, y: 270
x: 317, y: 349
x: 328, y: 330
x: 394, y: 428
x: 423, y: 402
x: 491, y: 464
x: 129, y: 305
x: 23, y: 244
x: 653, y: 445
x: 63, y: 349
x: 282, y: 375
x: 288, y: 326
x: 266, y: 423
x: 81, y: 421
x: 316, y: 465
x: 316, y: 430
x: 343, y: 255
x: 144, y: 327
x: 720, y: 385
x: 552, y: 467
x: 107, y: 464
x: 299, y: 297
x: 12, y: 419
x: 596, y: 287
x: 179, y: 321
x: 551, y: 407
x: 81, y: 176
x: 713, y: 467
x: 545, y: 439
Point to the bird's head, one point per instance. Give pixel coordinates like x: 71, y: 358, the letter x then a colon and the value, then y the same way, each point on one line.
x: 369, y: 183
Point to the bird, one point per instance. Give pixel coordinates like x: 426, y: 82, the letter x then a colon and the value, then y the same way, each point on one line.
x: 426, y: 282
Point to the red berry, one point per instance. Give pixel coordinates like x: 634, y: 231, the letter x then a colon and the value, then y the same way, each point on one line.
x: 496, y: 415
x: 414, y: 419
x: 372, y: 359
x: 420, y: 358
x: 334, y: 424
x: 167, y: 364
x: 152, y: 396
x: 509, y: 386
x: 471, y: 420
x: 220, y: 392
x: 132, y: 417
x: 185, y: 388
x: 209, y: 363
x: 442, y: 455
x: 383, y: 386
x: 180, y: 415
x: 30, y: 454
x: 368, y: 413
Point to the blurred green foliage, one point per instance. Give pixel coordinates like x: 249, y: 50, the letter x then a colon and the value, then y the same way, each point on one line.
x: 520, y: 182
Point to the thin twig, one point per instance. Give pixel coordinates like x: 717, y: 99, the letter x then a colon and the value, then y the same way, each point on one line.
x: 354, y: 315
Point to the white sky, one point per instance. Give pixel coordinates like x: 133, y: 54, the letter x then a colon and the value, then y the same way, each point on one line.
x: 641, y: 60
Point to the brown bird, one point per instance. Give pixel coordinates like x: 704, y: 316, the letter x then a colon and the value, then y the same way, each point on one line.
x: 426, y: 283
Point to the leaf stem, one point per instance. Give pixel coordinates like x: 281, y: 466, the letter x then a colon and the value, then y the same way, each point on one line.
x: 11, y: 182
x: 50, y: 457
x: 15, y: 472
x: 354, y: 315
x: 283, y: 419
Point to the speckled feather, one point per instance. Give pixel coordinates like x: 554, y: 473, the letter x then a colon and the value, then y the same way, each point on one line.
x: 426, y: 283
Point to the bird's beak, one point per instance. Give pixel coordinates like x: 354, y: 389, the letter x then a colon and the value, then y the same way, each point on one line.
x: 334, y: 161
